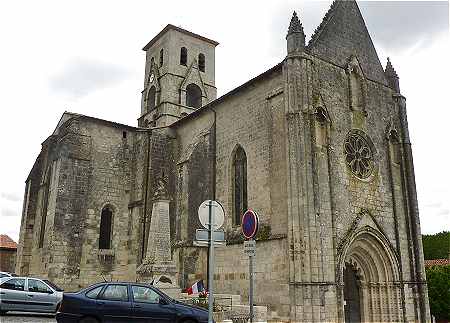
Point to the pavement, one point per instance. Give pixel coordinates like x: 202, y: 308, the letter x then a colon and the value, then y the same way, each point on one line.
x: 16, y: 317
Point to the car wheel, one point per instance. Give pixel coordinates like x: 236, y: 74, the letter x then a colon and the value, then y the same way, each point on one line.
x: 88, y: 320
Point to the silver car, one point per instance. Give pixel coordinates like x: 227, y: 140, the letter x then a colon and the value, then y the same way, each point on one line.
x: 29, y: 294
x: 6, y: 274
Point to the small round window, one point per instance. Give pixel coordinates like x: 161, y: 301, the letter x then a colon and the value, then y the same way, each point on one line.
x: 358, y: 150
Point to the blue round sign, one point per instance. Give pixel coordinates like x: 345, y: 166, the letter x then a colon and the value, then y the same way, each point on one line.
x: 250, y: 224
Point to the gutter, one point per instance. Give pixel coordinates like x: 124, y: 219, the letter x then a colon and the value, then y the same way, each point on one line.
x: 144, y: 219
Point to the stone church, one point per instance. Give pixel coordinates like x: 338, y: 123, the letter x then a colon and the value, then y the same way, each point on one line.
x: 318, y: 145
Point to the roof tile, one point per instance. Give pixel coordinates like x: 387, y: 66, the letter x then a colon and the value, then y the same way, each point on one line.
x: 6, y: 242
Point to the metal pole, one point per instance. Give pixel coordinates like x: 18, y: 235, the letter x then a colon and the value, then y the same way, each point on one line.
x: 211, y: 266
x: 250, y: 264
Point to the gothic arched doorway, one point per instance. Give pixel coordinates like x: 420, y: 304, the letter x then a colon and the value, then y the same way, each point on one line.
x: 370, y: 278
x: 352, y: 294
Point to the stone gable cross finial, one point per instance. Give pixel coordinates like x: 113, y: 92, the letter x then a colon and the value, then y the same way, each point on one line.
x: 392, y: 76
x: 295, y: 26
x: 295, y: 37
x: 390, y: 69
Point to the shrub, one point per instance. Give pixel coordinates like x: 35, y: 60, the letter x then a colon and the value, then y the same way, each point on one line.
x: 438, y: 278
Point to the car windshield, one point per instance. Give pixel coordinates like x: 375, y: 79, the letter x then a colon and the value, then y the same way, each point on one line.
x: 52, y: 285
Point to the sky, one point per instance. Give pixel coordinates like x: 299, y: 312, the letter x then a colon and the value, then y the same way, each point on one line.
x: 86, y: 57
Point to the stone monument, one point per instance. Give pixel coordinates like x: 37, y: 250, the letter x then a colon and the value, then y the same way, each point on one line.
x: 158, y: 267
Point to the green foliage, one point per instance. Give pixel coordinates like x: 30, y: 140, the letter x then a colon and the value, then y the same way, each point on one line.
x: 436, y: 246
x: 438, y: 278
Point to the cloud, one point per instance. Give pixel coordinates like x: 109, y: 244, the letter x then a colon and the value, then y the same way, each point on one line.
x: 13, y: 197
x: 405, y: 24
x: 443, y: 212
x: 8, y: 212
x: 81, y: 77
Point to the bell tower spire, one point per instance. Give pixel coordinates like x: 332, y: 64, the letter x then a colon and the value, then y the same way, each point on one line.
x: 295, y: 36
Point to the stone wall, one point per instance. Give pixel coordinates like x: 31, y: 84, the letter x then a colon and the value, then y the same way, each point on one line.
x: 271, y: 270
x: 8, y: 260
x: 258, y: 128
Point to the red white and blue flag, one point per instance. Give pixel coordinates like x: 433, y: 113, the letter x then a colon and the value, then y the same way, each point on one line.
x: 198, y: 287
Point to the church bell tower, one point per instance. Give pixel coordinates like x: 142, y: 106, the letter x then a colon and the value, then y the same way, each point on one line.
x: 179, y: 76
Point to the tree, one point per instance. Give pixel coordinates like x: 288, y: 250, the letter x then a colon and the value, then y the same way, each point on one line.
x: 436, y: 246
x: 438, y: 279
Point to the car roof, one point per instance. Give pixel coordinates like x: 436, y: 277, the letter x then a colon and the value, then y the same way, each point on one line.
x: 26, y: 277
x: 122, y: 282
x: 119, y: 283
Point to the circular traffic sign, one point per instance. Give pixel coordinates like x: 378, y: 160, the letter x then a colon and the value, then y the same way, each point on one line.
x: 250, y: 224
x: 217, y: 214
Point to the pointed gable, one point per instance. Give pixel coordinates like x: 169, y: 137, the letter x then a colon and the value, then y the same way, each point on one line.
x: 193, y: 76
x: 343, y: 33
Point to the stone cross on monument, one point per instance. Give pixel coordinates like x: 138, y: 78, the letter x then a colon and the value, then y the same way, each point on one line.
x: 158, y: 265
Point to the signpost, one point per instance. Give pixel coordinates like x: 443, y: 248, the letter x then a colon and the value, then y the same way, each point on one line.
x: 202, y: 237
x: 211, y: 216
x: 249, y: 229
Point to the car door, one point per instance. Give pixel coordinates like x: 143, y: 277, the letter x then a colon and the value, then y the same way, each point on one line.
x: 12, y: 294
x: 40, y: 297
x: 113, y: 304
x: 150, y: 306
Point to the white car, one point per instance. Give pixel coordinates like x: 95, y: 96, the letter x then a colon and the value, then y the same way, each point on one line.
x: 28, y: 294
x: 5, y: 274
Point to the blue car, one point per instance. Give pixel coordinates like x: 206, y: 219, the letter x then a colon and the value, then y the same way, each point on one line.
x: 125, y: 302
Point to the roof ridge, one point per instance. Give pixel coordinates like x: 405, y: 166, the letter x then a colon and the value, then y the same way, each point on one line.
x: 328, y: 15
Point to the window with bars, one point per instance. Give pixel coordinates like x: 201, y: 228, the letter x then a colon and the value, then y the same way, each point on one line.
x: 201, y: 62
x: 104, y: 241
x: 161, y: 57
x: 183, y: 56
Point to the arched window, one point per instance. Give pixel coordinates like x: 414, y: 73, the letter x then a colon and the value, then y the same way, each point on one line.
x: 201, y: 62
x: 151, y: 99
x: 239, y: 184
x: 193, y: 96
x: 152, y: 60
x: 104, y: 240
x: 161, y: 57
x: 183, y: 56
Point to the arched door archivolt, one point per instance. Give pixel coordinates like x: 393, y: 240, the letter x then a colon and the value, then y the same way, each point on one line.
x: 370, y: 260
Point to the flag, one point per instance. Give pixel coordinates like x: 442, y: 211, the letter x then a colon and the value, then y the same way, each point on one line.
x: 196, y: 288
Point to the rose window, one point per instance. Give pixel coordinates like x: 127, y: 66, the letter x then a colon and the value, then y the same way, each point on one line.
x: 358, y: 155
